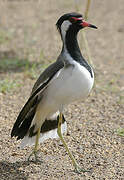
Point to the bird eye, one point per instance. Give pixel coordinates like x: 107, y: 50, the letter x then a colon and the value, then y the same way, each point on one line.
x: 73, y: 20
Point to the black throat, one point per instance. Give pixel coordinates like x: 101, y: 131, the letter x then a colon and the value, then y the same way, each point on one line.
x: 73, y: 49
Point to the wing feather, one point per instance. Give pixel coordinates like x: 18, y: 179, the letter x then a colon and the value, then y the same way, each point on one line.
x: 27, y: 113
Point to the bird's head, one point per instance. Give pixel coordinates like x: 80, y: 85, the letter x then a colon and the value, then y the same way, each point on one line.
x: 72, y: 21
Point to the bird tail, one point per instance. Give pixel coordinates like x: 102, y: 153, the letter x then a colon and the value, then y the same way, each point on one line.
x: 25, y: 130
x: 48, y: 131
x: 24, y: 119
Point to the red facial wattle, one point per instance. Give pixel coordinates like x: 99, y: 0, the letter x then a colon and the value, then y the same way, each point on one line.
x: 82, y: 22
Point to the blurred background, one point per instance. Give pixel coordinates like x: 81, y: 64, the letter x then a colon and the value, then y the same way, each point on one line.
x: 29, y: 42
x: 28, y: 35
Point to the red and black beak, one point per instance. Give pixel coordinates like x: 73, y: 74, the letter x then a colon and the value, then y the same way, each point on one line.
x: 86, y: 24
x: 82, y: 22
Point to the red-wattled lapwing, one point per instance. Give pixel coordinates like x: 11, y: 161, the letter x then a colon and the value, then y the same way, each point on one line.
x: 67, y: 80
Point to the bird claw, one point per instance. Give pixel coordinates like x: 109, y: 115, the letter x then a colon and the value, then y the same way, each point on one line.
x: 33, y: 153
x: 79, y: 170
x: 35, y: 156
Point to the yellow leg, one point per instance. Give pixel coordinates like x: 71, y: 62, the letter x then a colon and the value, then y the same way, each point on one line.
x: 34, y: 152
x: 77, y: 168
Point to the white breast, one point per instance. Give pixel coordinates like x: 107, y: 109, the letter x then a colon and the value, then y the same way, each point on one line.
x: 70, y: 84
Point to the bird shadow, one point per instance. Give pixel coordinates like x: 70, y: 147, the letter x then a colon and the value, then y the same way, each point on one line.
x: 13, y: 171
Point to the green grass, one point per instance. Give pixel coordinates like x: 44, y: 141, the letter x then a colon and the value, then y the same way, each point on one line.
x: 30, y: 69
x: 13, y: 63
x: 121, y: 99
x: 34, y: 70
x: 5, y: 36
x: 120, y: 132
x: 31, y: 72
x: 17, y: 65
x: 8, y: 85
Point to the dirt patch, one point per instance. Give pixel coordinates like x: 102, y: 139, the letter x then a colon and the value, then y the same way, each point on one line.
x: 28, y: 34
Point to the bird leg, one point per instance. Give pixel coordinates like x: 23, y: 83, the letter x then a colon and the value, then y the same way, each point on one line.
x: 77, y: 168
x: 34, y: 152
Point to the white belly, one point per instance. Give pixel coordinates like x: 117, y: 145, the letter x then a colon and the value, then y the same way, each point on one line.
x: 70, y: 84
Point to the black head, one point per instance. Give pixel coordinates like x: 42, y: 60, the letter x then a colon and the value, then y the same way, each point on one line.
x: 75, y: 20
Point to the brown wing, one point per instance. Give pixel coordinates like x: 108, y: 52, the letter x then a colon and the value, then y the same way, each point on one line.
x: 27, y: 113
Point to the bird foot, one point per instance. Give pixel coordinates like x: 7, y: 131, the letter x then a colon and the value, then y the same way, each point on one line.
x: 34, y: 153
x: 80, y: 170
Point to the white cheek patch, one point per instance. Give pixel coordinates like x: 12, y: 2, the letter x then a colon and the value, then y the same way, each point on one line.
x: 64, y: 27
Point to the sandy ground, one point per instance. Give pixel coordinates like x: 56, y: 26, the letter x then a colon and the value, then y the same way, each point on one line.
x: 27, y: 31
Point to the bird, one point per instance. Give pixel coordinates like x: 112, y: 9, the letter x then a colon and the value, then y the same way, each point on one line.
x: 69, y: 79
